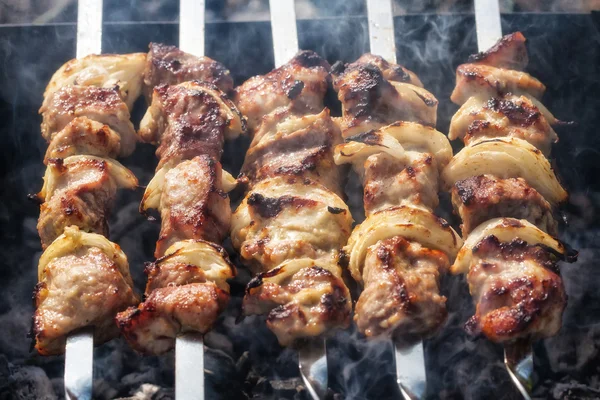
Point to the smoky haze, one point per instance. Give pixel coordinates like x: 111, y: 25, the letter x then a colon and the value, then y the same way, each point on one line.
x: 244, y: 358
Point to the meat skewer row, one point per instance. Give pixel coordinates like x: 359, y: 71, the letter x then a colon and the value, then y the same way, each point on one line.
x: 83, y: 277
x: 399, y: 252
x: 505, y: 191
x: 292, y: 222
x: 189, y: 119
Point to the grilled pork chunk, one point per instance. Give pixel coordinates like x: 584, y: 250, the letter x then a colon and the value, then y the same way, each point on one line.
x: 79, y: 190
x: 370, y: 101
x: 84, y: 136
x: 191, y: 201
x: 299, y: 85
x: 83, y: 281
x: 168, y: 65
x: 103, y: 105
x: 401, y: 293
x: 517, y: 290
x: 189, y: 119
x: 483, y: 197
x: 301, y: 299
x: 186, y: 291
x: 296, y: 146
x: 507, y: 116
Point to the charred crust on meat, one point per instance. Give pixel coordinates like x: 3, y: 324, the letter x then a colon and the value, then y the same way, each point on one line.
x: 309, y: 59
x: 335, y: 210
x: 519, y: 114
x: 518, y: 250
x: 371, y: 138
x: 429, y: 102
x: 295, y: 90
x: 268, y: 207
x: 338, y: 68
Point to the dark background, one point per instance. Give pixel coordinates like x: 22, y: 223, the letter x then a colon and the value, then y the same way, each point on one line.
x: 244, y: 359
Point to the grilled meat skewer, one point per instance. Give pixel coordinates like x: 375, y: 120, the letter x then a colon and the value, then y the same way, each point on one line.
x: 399, y: 252
x: 292, y: 222
x: 189, y: 119
x: 505, y: 191
x: 83, y: 277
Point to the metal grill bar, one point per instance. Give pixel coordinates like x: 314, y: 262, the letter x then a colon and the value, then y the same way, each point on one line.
x: 381, y: 29
x: 283, y: 27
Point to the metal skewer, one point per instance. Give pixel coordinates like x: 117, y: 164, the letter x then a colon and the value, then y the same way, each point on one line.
x: 79, y: 350
x: 312, y: 355
x: 410, y: 358
x: 189, y: 347
x: 518, y: 356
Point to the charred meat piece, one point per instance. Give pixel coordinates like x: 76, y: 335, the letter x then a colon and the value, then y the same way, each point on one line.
x: 191, y: 202
x: 390, y: 182
x: 517, y: 290
x: 299, y: 85
x: 151, y: 328
x: 401, y: 293
x: 286, y: 218
x: 79, y: 190
x: 189, y: 119
x: 295, y: 146
x: 83, y: 281
x: 391, y: 72
x: 484, y: 197
x: 508, y: 116
x: 510, y: 53
x: 84, y: 136
x: 484, y: 81
x: 103, y: 105
x: 186, y: 291
x: 370, y: 101
x: 170, y: 65
x: 301, y: 299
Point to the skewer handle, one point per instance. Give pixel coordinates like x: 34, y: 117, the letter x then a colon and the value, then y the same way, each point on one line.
x: 191, y: 26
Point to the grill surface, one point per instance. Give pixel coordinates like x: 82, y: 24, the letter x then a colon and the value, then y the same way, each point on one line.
x: 245, y: 358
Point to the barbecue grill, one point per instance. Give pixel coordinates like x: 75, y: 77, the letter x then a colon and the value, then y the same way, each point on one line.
x: 243, y: 359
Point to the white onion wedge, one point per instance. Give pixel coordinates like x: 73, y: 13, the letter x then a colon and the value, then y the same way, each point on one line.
x: 505, y: 230
x: 410, y: 222
x: 208, y: 256
x: 104, y: 70
x: 506, y: 158
x: 72, y: 240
